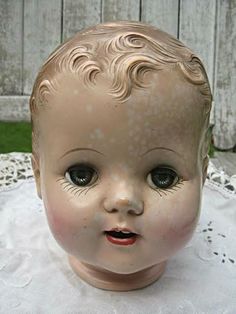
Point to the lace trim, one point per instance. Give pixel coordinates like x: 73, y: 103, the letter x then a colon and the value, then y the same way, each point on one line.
x: 16, y: 167
x: 218, y: 179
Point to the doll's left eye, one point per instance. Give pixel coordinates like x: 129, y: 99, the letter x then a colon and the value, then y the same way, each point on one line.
x: 162, y: 178
x: 81, y: 175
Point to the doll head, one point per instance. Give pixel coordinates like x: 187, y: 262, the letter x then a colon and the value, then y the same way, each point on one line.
x: 120, y: 115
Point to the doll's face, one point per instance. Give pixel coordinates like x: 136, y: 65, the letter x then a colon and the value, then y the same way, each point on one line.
x: 121, y: 182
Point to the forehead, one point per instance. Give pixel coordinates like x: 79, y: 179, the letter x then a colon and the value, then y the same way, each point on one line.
x: 169, y: 112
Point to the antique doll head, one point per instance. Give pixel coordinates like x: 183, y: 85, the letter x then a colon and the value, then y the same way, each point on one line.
x: 120, y: 115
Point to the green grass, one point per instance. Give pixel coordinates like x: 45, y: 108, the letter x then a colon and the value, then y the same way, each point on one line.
x: 212, y: 149
x: 15, y: 137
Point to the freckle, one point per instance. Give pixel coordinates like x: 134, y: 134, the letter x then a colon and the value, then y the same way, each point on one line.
x: 84, y: 227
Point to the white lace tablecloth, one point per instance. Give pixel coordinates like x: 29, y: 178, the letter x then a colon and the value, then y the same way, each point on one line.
x: 35, y: 276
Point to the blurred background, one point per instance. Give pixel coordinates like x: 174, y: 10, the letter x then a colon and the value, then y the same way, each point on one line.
x: 31, y: 29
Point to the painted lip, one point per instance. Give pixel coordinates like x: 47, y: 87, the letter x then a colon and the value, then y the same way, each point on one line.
x: 131, y: 236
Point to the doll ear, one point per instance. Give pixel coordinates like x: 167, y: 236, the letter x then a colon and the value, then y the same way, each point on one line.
x: 36, y: 170
x: 205, y: 163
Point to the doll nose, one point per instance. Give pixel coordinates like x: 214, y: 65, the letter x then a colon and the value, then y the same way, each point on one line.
x: 124, y: 201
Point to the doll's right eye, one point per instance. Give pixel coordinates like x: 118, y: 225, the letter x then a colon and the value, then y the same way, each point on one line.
x: 81, y: 175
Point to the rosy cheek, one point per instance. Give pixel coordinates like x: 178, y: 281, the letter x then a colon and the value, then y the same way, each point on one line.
x: 182, y: 228
x: 171, y: 224
x: 57, y: 222
x: 74, y: 225
x: 62, y: 220
x: 179, y: 234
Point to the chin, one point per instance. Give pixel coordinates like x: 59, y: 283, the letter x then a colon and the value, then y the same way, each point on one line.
x: 125, y: 267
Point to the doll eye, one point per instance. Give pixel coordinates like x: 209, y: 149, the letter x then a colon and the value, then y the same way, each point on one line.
x: 162, y: 178
x: 81, y: 175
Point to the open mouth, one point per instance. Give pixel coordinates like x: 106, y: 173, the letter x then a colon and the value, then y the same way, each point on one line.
x: 121, y: 237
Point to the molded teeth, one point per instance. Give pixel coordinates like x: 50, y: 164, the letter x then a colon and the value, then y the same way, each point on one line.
x: 120, y: 234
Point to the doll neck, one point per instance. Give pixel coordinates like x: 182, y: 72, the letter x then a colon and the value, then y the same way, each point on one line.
x: 107, y: 280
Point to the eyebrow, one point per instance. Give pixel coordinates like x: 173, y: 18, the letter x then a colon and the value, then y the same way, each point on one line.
x: 163, y: 148
x: 80, y: 148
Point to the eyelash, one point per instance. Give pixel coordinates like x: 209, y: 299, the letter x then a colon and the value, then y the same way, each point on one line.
x: 164, y: 192
x: 77, y: 191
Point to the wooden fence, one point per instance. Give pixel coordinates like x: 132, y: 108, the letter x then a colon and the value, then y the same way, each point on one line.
x: 31, y: 29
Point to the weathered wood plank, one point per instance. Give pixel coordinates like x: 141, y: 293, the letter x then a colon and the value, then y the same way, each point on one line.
x: 225, y: 76
x: 197, y: 30
x: 14, y: 108
x: 80, y: 14
x: 42, y: 33
x: 226, y: 161
x: 120, y: 10
x: 11, y: 13
x: 162, y: 14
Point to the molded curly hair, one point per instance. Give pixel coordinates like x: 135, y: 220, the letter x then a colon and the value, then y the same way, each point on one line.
x: 124, y: 52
